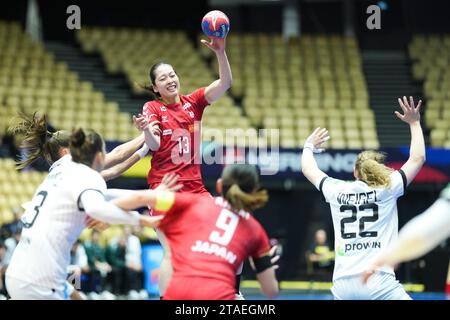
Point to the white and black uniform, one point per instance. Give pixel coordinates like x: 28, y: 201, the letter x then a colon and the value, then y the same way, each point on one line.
x: 52, y: 222
x: 365, y: 221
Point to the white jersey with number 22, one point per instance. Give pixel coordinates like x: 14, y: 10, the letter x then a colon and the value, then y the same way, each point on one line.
x: 365, y: 221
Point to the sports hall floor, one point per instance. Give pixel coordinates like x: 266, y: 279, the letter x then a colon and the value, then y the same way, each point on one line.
x: 328, y: 296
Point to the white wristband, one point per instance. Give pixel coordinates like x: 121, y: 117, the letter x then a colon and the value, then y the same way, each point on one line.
x: 143, y: 151
x: 309, y: 145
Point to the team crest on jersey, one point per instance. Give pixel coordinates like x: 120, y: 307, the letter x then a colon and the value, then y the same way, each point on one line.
x: 187, y: 105
x: 163, y: 108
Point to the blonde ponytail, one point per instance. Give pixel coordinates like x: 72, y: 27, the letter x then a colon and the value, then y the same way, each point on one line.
x: 371, y: 169
x: 239, y: 199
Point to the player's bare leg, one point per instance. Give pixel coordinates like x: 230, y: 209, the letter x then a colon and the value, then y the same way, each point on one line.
x: 239, y: 295
x: 75, y: 295
x: 165, y: 269
x: 447, y: 286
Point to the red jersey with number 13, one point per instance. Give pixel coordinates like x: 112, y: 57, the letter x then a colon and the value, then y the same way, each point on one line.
x: 179, y: 152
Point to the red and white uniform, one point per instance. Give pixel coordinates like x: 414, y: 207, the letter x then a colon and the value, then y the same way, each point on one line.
x: 209, y: 241
x: 179, y: 151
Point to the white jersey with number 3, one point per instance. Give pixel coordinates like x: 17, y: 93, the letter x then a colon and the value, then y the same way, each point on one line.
x: 52, y: 223
x: 365, y: 221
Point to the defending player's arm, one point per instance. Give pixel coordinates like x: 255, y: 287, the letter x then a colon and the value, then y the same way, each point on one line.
x: 265, y: 274
x: 411, y: 115
x: 120, y: 168
x: 309, y: 164
x: 93, y: 203
x: 123, y: 151
x: 161, y: 199
x: 417, y: 237
x: 148, y: 123
x: 152, y: 135
x: 421, y: 234
x: 265, y: 265
x: 218, y: 88
x: 110, y: 194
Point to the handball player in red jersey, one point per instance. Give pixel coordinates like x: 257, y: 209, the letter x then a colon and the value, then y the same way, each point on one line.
x: 211, y: 237
x: 170, y: 123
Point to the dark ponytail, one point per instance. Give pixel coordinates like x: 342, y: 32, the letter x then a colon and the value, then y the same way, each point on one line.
x: 240, y: 183
x: 84, y: 145
x: 38, y: 142
x: 239, y: 199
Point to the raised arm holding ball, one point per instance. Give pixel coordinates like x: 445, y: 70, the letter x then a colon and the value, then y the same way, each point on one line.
x: 171, y: 120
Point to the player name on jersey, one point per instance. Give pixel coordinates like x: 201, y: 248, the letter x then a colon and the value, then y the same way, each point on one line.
x: 223, y: 203
x: 357, y: 198
x: 212, y: 248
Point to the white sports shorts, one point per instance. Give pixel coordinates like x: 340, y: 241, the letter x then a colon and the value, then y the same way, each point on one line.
x: 381, y: 286
x: 22, y: 290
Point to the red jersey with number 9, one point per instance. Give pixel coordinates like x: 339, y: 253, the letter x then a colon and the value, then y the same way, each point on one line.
x: 208, y: 242
x: 179, y: 150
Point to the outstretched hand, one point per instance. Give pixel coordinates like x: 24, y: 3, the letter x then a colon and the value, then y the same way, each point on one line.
x: 169, y: 183
x: 369, y: 272
x: 410, y: 114
x: 140, y: 122
x: 275, y: 257
x: 150, y: 221
x: 92, y: 223
x: 216, y: 44
x: 317, y: 138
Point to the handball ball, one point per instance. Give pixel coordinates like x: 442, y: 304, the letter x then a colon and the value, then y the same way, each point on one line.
x: 215, y: 24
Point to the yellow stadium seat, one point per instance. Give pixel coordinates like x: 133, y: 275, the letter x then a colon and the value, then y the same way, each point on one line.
x: 369, y: 134
x: 334, y: 123
x: 354, y: 144
x: 442, y: 124
x: 352, y: 134
x: 438, y: 137
x: 371, y: 144
x: 337, y: 143
x: 351, y: 123
x: 290, y: 143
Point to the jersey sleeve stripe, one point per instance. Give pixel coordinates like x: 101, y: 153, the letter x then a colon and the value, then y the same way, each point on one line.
x: 79, y: 197
x: 405, y: 181
x: 321, y: 183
